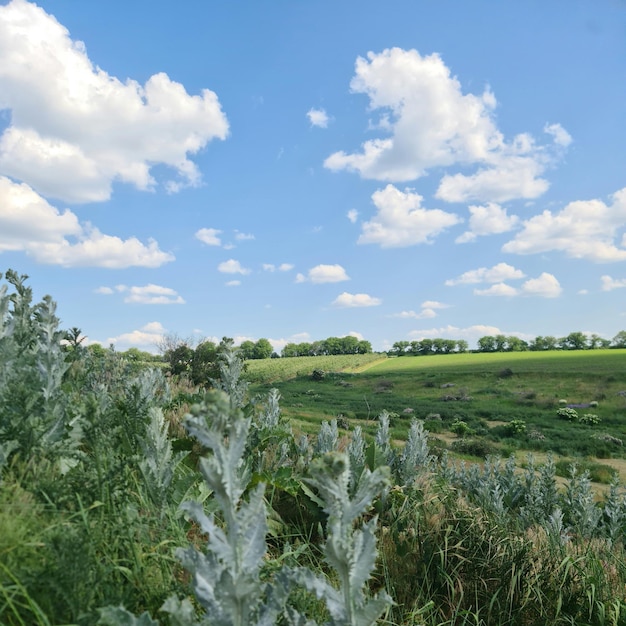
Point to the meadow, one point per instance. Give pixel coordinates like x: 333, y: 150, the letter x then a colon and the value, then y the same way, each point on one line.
x: 128, y: 498
x: 508, y: 402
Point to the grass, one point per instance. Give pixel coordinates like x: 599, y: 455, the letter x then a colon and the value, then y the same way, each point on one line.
x: 486, y: 391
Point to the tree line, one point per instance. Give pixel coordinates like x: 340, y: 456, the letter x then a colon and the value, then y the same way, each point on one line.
x: 329, y: 346
x: 508, y: 343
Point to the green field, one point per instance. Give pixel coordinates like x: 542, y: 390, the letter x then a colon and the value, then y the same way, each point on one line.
x: 484, y: 391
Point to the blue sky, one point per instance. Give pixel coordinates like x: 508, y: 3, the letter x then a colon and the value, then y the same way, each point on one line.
x: 296, y: 170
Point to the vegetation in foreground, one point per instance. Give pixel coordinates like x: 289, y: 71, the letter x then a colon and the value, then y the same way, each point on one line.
x: 113, y: 512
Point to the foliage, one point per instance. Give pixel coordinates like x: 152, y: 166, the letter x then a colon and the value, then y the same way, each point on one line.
x: 294, y: 529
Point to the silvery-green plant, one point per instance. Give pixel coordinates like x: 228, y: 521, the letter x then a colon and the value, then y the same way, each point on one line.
x: 327, y: 437
x: 226, y: 579
x: 231, y: 367
x: 614, y: 511
x: 415, y: 456
x: 350, y: 551
x: 32, y: 365
x: 580, y: 507
x: 158, y: 462
x: 356, y: 453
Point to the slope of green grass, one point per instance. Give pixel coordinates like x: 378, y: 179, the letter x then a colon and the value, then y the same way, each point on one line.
x: 485, y: 391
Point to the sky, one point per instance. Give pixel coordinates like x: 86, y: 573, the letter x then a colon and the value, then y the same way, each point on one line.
x: 295, y: 170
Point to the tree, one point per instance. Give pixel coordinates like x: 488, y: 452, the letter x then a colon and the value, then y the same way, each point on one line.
x: 399, y: 348
x: 204, y: 363
x: 619, y: 341
x: 575, y: 341
x: 461, y: 345
x: 262, y: 349
x: 364, y: 347
x: 246, y: 350
x: 487, y: 344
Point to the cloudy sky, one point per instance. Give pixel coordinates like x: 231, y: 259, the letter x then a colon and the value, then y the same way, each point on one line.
x: 299, y: 170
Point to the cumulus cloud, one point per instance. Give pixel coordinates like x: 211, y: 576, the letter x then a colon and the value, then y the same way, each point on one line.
x: 283, y: 267
x: 94, y: 129
x: 148, y: 294
x: 346, y: 299
x: 318, y: 117
x: 233, y: 283
x: 544, y: 286
x: 353, y: 215
x: 149, y: 335
x: 490, y: 219
x: 499, y: 289
x: 584, y: 229
x: 429, y: 310
x: 608, y: 283
x: 560, y: 135
x: 239, y: 236
x: 326, y: 274
x: 423, y: 314
x: 428, y: 122
x: 232, y: 267
x: 511, y: 177
x: 28, y: 223
x: 209, y: 236
x: 497, y: 273
x: 402, y: 221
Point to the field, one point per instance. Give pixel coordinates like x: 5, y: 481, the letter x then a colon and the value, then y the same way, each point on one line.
x: 130, y: 498
x: 486, y: 392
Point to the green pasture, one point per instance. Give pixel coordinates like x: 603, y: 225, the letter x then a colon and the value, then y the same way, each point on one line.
x: 486, y: 392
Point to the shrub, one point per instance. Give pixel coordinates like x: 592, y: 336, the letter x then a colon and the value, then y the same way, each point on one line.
x: 590, y: 418
x: 516, y: 427
x: 565, y: 413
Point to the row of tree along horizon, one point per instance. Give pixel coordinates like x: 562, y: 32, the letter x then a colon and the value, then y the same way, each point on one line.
x: 508, y: 343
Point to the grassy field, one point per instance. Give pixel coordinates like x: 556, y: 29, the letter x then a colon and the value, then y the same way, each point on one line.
x: 485, y: 392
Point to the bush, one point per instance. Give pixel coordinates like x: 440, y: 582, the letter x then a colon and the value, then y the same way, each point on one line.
x: 571, y: 415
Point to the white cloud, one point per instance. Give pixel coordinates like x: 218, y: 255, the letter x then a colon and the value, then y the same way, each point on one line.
x: 585, y: 229
x: 608, y: 283
x: 511, y: 177
x: 233, y: 283
x: 546, y: 286
x: 150, y: 294
x: 243, y: 236
x: 300, y: 278
x: 327, y: 274
x: 495, y: 274
x: 489, y: 219
x: 149, y: 335
x: 560, y: 135
x: 401, y: 220
x: 283, y: 267
x: 353, y: 215
x: 318, y: 117
x: 94, y: 129
x: 499, y: 289
x: 428, y: 122
x: 355, y: 300
x: 354, y: 333
x: 105, y: 291
x: 423, y: 314
x: 433, y: 304
x: 232, y: 267
x: 209, y: 236
x: 29, y: 224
